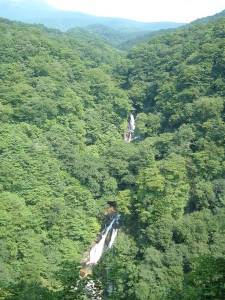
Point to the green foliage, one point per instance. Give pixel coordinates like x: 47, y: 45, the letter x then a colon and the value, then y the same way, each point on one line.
x: 174, y: 206
x: 122, y: 272
x: 163, y: 189
x: 123, y: 202
x: 64, y: 104
x: 53, y: 186
x: 148, y: 124
x: 204, y: 281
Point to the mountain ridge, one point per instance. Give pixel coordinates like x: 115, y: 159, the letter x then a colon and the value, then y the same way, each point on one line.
x: 40, y: 12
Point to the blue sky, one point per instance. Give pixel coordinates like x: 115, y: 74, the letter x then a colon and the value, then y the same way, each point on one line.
x: 144, y: 10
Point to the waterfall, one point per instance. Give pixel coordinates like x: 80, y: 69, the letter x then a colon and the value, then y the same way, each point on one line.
x: 97, y: 250
x: 128, y: 136
x: 113, y: 237
x: 132, y: 122
x: 93, y: 291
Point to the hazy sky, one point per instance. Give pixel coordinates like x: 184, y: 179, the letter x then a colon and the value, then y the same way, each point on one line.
x: 145, y: 10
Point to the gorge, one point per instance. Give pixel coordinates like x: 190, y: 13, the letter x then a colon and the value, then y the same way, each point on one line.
x: 65, y: 101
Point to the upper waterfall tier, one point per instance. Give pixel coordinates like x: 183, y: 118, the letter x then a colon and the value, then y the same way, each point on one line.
x: 128, y: 136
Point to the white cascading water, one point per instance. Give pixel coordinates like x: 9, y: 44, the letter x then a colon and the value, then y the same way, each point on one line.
x: 132, y: 122
x: 97, y: 250
x: 113, y: 237
x: 128, y: 136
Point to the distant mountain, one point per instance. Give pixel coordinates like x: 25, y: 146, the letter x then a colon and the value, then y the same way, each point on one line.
x: 37, y: 11
x: 143, y: 37
x: 125, y: 40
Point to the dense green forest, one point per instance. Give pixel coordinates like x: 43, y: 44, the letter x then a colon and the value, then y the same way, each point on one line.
x: 65, y: 100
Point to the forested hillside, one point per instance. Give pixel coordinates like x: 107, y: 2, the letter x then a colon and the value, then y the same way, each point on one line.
x: 111, y: 36
x: 172, y: 245
x: 59, y: 107
x: 120, y: 39
x: 64, y: 104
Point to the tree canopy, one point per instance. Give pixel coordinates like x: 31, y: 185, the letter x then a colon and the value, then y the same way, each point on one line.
x: 65, y: 100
